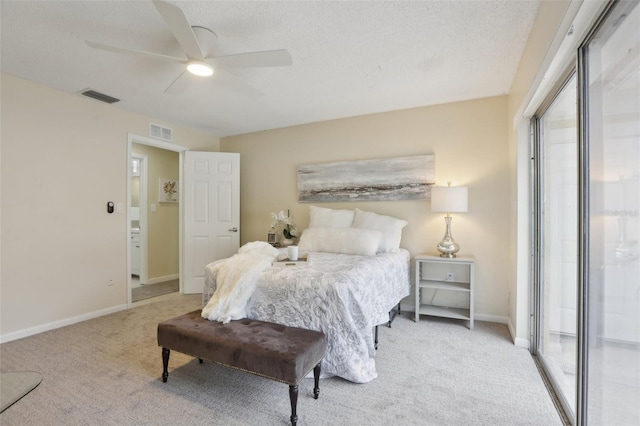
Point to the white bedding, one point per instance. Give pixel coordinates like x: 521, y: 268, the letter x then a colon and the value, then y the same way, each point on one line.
x: 344, y: 296
x: 236, y: 281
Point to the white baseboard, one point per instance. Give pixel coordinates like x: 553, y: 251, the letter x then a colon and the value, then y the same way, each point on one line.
x: 490, y: 318
x: 517, y: 341
x: 512, y: 332
x: 157, y: 280
x: 57, y: 324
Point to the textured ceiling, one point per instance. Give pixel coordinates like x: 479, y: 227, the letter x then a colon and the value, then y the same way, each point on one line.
x: 349, y: 58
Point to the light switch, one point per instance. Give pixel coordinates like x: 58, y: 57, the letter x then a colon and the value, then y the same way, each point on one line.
x: 119, y: 208
x: 153, y: 207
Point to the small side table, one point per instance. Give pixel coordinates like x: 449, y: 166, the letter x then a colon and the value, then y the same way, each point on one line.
x: 444, y: 274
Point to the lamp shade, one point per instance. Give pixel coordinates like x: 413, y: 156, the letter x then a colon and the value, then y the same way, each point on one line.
x: 449, y: 199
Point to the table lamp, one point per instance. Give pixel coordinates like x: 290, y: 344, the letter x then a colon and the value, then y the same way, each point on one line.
x: 448, y: 199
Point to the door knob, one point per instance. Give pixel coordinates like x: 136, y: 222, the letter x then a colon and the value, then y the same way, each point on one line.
x: 234, y: 229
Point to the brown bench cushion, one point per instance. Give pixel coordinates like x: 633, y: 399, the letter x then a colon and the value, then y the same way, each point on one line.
x: 282, y: 353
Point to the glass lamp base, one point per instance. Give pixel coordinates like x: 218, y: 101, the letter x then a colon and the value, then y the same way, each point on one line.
x: 448, y: 250
x: 447, y: 247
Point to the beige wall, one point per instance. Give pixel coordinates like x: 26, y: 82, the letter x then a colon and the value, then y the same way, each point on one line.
x: 63, y: 157
x: 469, y: 140
x: 163, y: 226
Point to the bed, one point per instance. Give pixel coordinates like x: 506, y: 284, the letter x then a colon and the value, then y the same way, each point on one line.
x: 342, y: 295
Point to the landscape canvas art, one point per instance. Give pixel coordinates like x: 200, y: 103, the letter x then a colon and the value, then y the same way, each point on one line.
x: 385, y: 179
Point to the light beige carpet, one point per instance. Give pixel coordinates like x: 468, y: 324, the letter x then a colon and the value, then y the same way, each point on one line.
x: 15, y: 385
x: 107, y: 371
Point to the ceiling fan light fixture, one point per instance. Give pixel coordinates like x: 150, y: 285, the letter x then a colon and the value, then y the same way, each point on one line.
x: 199, y: 68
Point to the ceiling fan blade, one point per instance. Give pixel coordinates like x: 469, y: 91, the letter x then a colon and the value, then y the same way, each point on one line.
x: 179, y: 85
x: 221, y: 80
x: 133, y: 52
x: 180, y: 28
x: 230, y: 81
x: 267, y: 58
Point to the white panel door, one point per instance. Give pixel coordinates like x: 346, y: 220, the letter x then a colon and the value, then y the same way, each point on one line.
x: 211, y: 212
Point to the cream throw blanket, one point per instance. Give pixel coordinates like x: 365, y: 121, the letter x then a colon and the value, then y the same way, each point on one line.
x: 236, y: 282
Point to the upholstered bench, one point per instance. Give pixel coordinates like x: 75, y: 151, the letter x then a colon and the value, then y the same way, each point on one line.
x: 278, y: 352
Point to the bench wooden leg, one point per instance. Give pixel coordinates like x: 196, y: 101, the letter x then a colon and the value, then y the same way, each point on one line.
x: 165, y: 364
x: 293, y: 396
x: 316, y: 381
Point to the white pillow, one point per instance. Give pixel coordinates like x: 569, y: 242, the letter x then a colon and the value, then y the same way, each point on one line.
x: 363, y: 242
x: 320, y: 217
x: 390, y: 227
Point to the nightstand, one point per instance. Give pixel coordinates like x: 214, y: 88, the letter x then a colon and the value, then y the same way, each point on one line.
x: 450, y: 278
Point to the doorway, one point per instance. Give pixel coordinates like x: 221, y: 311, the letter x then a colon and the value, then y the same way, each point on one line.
x: 153, y: 219
x: 138, y: 220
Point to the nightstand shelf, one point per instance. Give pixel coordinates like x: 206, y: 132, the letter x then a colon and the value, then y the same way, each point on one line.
x: 447, y: 277
x: 452, y: 286
x: 441, y: 311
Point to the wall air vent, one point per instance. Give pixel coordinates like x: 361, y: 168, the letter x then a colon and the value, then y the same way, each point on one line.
x: 159, y: 132
x: 99, y: 96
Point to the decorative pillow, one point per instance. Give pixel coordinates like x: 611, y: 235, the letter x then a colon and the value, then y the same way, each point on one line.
x: 320, y: 217
x: 390, y: 227
x: 363, y: 242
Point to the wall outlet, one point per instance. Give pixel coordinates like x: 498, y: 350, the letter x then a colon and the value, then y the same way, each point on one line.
x: 449, y: 276
x: 109, y: 282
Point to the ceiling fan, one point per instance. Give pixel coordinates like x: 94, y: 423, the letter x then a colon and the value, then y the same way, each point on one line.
x: 199, y: 44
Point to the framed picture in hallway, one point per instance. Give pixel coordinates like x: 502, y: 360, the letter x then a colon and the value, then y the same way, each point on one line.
x: 168, y: 190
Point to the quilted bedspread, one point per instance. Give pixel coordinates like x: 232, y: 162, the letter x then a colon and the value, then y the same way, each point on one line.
x: 344, y: 296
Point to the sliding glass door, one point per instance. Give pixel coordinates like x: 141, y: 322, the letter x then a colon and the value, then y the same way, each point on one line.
x: 587, y: 230
x: 557, y: 219
x: 610, y: 107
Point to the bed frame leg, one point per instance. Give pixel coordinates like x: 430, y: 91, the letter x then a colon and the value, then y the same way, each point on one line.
x: 375, y: 338
x: 393, y: 314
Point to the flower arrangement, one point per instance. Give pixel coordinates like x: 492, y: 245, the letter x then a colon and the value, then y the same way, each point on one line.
x: 282, y: 222
x: 170, y: 188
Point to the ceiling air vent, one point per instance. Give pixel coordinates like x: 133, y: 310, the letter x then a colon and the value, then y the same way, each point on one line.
x: 159, y: 132
x: 99, y: 96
